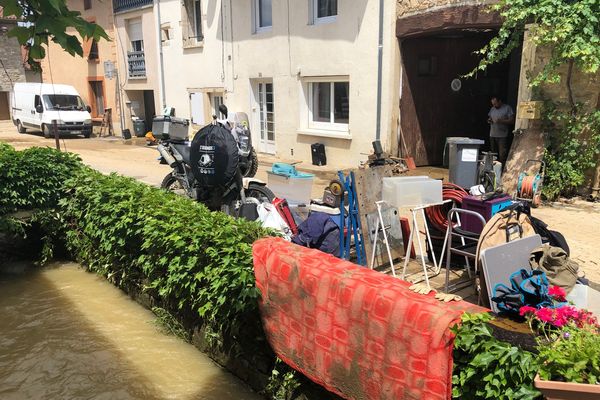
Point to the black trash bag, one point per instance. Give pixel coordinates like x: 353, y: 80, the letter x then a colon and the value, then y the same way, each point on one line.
x: 214, y: 156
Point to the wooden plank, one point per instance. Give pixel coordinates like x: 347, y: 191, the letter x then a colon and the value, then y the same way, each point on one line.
x: 368, y: 190
x: 446, y: 18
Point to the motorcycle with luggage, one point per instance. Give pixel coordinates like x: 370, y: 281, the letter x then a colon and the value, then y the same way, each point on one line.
x: 208, y: 168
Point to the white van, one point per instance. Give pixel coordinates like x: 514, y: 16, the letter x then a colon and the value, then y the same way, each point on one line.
x: 36, y: 105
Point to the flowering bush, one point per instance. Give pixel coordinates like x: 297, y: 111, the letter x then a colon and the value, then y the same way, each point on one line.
x: 559, y: 317
x: 573, y: 357
x: 569, y: 345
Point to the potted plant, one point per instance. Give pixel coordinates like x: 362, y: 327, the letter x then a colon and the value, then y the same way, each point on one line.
x: 569, y: 350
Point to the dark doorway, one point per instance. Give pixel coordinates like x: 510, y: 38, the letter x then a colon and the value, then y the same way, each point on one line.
x: 4, y: 106
x: 433, y: 109
x: 149, y: 110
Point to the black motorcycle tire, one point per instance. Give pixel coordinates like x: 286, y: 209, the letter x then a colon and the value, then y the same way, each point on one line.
x: 169, y: 181
x: 259, y: 191
x: 252, y: 166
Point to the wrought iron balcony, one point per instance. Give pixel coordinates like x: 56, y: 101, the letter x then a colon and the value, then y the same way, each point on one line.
x: 122, y: 5
x: 136, y: 64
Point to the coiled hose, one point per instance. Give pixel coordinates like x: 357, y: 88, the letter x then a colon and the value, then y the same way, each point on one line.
x: 438, y: 215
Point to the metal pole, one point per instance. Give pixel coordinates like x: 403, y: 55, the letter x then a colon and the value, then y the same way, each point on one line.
x: 379, y: 70
x: 55, y: 129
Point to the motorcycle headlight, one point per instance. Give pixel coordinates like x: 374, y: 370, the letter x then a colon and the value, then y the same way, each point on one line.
x: 243, y: 140
x: 87, y: 121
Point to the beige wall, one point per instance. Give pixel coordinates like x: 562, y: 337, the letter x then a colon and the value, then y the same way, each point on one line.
x: 346, y: 47
x: 132, y: 87
x: 60, y: 67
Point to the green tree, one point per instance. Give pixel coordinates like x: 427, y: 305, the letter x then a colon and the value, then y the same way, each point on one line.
x: 44, y: 20
x: 569, y: 28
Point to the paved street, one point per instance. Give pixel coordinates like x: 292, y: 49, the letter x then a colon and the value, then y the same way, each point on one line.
x: 578, y: 222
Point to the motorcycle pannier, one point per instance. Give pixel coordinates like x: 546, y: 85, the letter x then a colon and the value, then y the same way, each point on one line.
x: 214, y: 156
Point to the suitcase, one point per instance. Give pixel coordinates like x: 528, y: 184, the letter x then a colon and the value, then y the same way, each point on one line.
x: 318, y: 154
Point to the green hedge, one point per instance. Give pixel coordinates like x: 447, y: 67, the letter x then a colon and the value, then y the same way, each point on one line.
x: 32, y: 178
x: 133, y: 234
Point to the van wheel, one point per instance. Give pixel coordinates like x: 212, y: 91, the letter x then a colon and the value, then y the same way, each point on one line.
x: 20, y: 127
x: 46, y: 131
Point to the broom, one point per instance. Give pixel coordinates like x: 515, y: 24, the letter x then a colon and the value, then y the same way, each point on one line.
x: 410, y: 162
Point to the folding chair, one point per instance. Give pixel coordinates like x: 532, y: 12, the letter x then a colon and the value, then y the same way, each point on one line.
x: 467, y: 249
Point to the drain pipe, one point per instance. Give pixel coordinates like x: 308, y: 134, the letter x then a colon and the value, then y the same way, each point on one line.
x: 379, y: 70
x: 163, y: 95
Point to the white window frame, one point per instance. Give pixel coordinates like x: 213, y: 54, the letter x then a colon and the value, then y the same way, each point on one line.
x: 325, y: 126
x: 314, y: 13
x: 256, y: 17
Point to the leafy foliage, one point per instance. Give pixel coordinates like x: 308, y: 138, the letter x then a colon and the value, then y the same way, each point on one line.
x: 573, y: 149
x: 189, y: 256
x: 574, y: 357
x: 571, y: 29
x: 486, y: 368
x: 282, y: 382
x: 32, y: 178
x: 31, y: 181
x: 49, y: 19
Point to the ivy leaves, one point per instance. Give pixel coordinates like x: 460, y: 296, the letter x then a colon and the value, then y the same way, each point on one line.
x: 44, y: 20
x: 188, y: 256
x: 486, y: 368
x: 574, y: 146
x: 571, y: 29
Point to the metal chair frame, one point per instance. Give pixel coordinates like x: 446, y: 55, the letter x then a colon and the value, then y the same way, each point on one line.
x: 464, y: 250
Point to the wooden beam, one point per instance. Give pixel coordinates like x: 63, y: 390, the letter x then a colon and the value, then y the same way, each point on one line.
x: 448, y: 18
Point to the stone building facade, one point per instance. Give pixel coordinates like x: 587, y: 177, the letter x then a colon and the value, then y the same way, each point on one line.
x: 13, y: 67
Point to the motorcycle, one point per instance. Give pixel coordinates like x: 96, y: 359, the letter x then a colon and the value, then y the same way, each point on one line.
x: 233, y: 196
x: 237, y: 123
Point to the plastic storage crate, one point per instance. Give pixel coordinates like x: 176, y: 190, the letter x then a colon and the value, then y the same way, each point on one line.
x: 486, y: 208
x: 296, y: 189
x: 411, y: 191
x: 165, y: 127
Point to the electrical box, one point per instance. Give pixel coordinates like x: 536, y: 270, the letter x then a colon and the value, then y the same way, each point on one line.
x: 530, y: 109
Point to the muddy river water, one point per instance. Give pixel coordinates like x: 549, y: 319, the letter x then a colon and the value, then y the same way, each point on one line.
x: 68, y: 334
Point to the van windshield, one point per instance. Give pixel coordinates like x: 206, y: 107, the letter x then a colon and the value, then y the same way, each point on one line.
x: 63, y: 102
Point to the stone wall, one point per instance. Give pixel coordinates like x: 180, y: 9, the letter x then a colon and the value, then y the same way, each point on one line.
x: 10, y: 54
x: 408, y: 7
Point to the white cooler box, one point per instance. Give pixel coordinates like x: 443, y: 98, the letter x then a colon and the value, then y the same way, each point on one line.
x: 295, y: 189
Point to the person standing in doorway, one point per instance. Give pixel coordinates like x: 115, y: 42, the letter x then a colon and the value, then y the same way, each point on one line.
x: 500, y: 118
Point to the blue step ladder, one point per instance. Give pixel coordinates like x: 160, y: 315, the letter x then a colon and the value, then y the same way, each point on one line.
x: 352, y: 222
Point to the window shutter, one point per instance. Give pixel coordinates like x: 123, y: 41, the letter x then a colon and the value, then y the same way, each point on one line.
x: 87, y: 46
x: 185, y: 24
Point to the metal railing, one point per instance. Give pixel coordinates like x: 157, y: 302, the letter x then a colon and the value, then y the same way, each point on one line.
x: 122, y: 5
x: 136, y: 64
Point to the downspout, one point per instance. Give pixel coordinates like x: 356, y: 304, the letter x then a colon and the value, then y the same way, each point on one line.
x: 161, y: 77
x: 379, y: 70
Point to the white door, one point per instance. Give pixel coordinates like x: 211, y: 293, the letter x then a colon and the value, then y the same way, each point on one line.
x: 266, y: 117
x: 197, y: 106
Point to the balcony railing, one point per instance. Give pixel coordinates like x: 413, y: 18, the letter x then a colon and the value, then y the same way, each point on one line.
x: 122, y: 5
x: 136, y: 64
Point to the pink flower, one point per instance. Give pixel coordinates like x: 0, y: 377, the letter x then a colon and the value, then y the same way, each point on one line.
x: 545, y: 314
x: 526, y: 310
x: 557, y: 293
